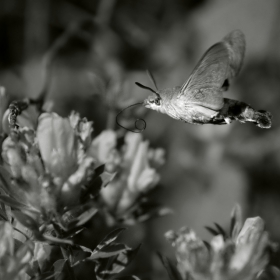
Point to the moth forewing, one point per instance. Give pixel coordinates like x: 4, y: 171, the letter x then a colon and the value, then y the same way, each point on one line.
x: 216, y: 58
x: 235, y: 44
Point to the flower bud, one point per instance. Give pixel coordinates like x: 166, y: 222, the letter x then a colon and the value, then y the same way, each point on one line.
x: 58, y: 145
x: 14, y: 156
x: 139, y: 163
x: 103, y: 148
x: 251, y: 231
x: 147, y: 180
x: 70, y: 192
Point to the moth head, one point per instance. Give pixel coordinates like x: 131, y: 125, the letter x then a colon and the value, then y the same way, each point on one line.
x: 153, y: 102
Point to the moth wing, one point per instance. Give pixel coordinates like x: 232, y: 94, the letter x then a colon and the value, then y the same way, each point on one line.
x: 235, y: 44
x: 204, y: 85
x: 220, y: 62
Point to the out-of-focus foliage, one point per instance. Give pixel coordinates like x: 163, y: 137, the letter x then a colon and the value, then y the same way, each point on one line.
x: 15, y: 256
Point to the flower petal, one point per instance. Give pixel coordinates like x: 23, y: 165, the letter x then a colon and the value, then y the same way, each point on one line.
x: 58, y: 144
x: 139, y: 163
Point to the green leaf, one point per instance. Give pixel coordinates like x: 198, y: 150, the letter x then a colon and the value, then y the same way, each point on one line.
x: 5, y: 180
x: 3, y: 214
x: 236, y: 221
x: 221, y: 230
x: 13, y: 203
x: 71, y: 232
x: 48, y: 275
x: 130, y: 277
x: 143, y: 210
x: 56, y: 240
x: 25, y: 252
x: 107, y: 178
x: 124, y: 259
x: 82, y: 219
x: 96, y: 183
x: 6, y: 239
x: 269, y: 273
x: 115, y: 264
x: 99, y: 170
x: 58, y: 265
x: 111, y: 237
x: 25, y: 235
x: 27, y: 221
x: 212, y: 231
x: 171, y: 269
x: 18, y: 244
x: 63, y: 270
x: 85, y: 249
x: 108, y: 251
x: 33, y: 269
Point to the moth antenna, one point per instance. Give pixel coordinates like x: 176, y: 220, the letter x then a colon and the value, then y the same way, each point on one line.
x: 152, y: 78
x: 139, y: 130
x: 147, y: 88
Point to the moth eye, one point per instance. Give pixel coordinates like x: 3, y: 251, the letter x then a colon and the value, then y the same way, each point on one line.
x: 157, y: 101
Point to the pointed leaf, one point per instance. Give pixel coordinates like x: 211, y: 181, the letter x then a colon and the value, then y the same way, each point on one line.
x: 221, y: 230
x: 115, y: 264
x: 49, y: 275
x: 33, y: 269
x: 83, y: 218
x: 212, y: 231
x: 3, y: 215
x: 171, y: 269
x: 6, y: 239
x: 108, y: 251
x: 56, y: 240
x: 99, y: 170
x: 111, y: 237
x: 85, y: 249
x: 124, y: 259
x: 72, y: 232
x: 236, y: 221
x: 27, y: 221
x: 130, y: 277
x: 96, y: 184
x: 207, y: 245
x: 154, y: 213
x: 13, y: 203
x: 63, y: 271
x: 25, y: 252
x: 5, y: 179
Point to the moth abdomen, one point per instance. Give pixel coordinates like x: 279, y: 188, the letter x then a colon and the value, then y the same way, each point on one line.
x: 263, y: 119
x: 240, y: 111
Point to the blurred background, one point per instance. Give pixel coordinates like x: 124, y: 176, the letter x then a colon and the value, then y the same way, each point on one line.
x: 86, y: 55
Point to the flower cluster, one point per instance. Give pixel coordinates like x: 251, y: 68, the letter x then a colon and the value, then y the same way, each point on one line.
x: 48, y: 166
x: 135, y: 166
x: 55, y: 177
x: 242, y: 254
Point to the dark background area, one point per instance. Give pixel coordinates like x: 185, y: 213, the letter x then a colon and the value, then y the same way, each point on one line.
x: 94, y: 51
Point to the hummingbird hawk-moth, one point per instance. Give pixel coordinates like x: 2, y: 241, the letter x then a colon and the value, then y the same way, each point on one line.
x: 200, y: 99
